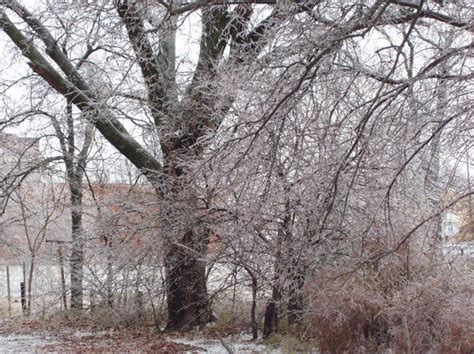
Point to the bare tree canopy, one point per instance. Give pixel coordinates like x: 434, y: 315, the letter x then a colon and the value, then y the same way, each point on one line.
x: 303, y: 135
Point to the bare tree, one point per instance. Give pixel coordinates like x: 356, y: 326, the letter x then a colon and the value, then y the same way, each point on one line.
x: 41, y: 205
x: 266, y: 72
x: 75, y: 160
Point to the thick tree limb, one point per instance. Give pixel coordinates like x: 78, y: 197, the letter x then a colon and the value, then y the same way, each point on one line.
x: 52, y: 48
x: 158, y: 95
x: 103, y: 119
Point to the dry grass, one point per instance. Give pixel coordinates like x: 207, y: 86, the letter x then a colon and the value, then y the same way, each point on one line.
x: 375, y: 310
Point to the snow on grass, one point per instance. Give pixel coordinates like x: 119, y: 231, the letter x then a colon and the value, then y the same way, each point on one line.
x: 214, y: 346
x: 16, y: 343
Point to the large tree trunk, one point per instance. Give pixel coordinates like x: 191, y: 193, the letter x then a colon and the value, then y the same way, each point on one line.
x: 253, y: 311
x: 186, y: 242
x: 270, y: 323
x: 77, y: 256
x: 187, y: 298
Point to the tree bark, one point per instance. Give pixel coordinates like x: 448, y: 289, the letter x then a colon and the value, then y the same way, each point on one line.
x: 30, y: 284
x: 270, y: 324
x: 185, y: 239
x: 77, y: 253
x: 253, y: 311
x: 187, y: 297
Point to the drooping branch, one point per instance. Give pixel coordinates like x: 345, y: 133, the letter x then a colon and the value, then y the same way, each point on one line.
x: 109, y: 126
x: 52, y: 48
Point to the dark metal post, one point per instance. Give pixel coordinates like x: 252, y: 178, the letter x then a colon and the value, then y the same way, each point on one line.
x: 9, y: 292
x: 23, y: 297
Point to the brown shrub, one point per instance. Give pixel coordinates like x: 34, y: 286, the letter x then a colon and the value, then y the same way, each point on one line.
x: 380, y: 308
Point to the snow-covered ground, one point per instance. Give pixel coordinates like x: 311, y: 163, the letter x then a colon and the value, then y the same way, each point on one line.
x: 23, y: 343
x: 215, y: 346
x: 459, y: 249
x: 16, y: 343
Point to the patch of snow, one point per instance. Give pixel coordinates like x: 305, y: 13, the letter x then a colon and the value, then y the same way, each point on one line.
x: 85, y: 334
x: 22, y: 343
x: 214, y: 346
x: 459, y: 249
